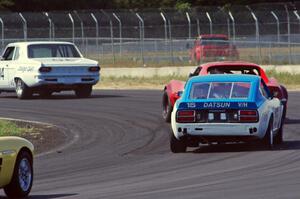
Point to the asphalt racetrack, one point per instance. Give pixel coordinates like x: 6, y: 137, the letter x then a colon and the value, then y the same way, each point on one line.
x: 119, y: 148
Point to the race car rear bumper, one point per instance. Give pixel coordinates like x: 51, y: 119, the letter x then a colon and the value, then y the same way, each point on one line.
x: 214, y: 132
x: 68, y: 80
x: 195, y: 139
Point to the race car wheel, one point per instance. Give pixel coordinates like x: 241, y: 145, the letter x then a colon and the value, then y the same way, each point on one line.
x: 22, y: 90
x: 284, y: 113
x: 268, y: 139
x: 167, y: 107
x: 177, y: 146
x: 22, y: 178
x: 278, y: 139
x: 84, y: 91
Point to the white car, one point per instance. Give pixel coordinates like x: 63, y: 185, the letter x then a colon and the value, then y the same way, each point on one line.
x: 225, y: 108
x: 46, y: 67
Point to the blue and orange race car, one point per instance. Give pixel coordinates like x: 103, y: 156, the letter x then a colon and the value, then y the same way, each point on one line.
x: 226, y: 108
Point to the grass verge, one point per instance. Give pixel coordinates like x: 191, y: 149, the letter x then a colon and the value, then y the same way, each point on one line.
x: 44, y: 137
x: 291, y: 81
x: 9, y: 128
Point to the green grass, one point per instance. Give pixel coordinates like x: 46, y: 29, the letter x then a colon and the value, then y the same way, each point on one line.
x: 8, y: 128
x: 292, y: 81
x: 125, y: 82
x: 140, y: 80
x: 180, y: 58
x: 284, y: 77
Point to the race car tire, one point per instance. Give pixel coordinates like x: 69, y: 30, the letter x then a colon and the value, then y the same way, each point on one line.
x: 22, y: 90
x: 166, y: 108
x: 177, y: 146
x: 84, y: 91
x: 278, y: 138
x: 21, y: 183
x: 268, y: 138
x: 286, y: 96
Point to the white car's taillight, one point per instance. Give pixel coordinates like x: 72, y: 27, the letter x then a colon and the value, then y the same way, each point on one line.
x: 185, y: 116
x: 45, y: 69
x: 248, y: 116
x: 94, y: 69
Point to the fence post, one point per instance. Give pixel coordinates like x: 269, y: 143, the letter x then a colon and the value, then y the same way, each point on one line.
x: 120, y: 31
x: 289, y: 33
x: 165, y: 25
x: 277, y: 24
x: 81, y: 26
x: 111, y: 35
x: 298, y: 17
x: 2, y: 33
x: 189, y: 23
x: 198, y: 26
x: 50, y: 25
x: 171, y: 41
x: 53, y: 30
x: 233, y: 25
x: 24, y: 26
x: 97, y: 33
x: 210, y: 23
x: 141, y: 25
x: 73, y: 27
x: 228, y: 22
x: 256, y: 33
x: 228, y: 28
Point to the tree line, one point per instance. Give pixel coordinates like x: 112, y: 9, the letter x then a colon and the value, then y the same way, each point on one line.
x: 50, y: 5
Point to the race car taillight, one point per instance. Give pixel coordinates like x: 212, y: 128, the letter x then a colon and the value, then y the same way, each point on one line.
x: 45, y: 69
x: 185, y: 116
x: 94, y: 69
x: 248, y: 116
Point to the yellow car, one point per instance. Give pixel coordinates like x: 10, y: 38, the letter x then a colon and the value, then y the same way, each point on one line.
x: 16, y: 166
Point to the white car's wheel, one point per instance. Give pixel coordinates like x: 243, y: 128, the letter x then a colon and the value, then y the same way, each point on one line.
x: 84, y: 91
x: 22, y: 179
x: 268, y: 139
x: 278, y: 139
x: 177, y: 146
x: 22, y: 90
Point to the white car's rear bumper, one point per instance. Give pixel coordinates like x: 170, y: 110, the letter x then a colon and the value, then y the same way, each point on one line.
x: 66, y: 80
x: 218, y: 130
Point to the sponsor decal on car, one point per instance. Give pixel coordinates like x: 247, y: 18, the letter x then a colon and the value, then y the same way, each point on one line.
x: 217, y: 105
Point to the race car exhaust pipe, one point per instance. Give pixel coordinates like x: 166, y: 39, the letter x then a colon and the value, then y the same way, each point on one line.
x: 184, y: 131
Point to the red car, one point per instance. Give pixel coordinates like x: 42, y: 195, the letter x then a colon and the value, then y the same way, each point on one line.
x: 173, y: 89
x: 213, y: 47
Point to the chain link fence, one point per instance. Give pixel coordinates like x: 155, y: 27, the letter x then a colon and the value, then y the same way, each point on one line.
x: 263, y: 33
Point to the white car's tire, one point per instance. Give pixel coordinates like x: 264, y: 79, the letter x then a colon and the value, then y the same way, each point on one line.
x: 21, y: 183
x: 268, y: 140
x: 84, y: 91
x: 22, y: 90
x: 177, y: 146
x: 278, y: 138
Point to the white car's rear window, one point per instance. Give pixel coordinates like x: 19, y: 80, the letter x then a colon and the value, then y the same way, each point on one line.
x: 52, y: 50
x: 220, y: 90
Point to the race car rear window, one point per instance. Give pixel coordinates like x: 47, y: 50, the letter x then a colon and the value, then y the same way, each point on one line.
x: 214, y: 41
x: 52, y: 50
x: 220, y: 90
x: 233, y: 70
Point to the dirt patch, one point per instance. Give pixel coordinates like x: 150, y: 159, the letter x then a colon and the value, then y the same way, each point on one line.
x: 43, y: 137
